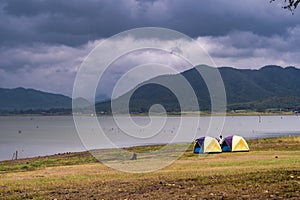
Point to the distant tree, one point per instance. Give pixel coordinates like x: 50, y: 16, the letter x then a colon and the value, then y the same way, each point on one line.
x: 291, y: 5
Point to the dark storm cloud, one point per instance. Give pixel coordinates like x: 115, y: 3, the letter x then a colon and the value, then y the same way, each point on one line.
x: 76, y: 22
x: 43, y: 42
x: 60, y: 22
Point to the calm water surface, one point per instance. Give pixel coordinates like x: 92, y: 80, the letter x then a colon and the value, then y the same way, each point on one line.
x: 45, y: 135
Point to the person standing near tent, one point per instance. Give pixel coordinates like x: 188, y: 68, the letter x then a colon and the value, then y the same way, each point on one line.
x: 221, y: 140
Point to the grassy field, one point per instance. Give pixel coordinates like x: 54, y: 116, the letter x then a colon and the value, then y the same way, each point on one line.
x: 271, y: 170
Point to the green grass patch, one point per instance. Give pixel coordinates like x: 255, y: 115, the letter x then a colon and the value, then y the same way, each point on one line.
x: 47, y: 161
x: 274, y: 145
x: 291, y: 143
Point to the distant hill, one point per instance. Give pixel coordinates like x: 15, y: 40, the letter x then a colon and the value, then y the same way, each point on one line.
x: 26, y: 99
x: 267, y: 88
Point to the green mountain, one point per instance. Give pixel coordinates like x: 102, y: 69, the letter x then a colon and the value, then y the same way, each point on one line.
x: 271, y: 87
x: 30, y: 99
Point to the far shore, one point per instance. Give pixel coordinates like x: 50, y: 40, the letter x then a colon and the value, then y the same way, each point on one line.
x: 231, y: 113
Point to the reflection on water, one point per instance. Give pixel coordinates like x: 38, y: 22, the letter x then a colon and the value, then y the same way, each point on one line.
x: 44, y: 135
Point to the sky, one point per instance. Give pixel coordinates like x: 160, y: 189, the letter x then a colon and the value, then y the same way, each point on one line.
x: 44, y: 42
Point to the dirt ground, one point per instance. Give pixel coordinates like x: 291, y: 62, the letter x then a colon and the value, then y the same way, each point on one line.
x: 265, y: 173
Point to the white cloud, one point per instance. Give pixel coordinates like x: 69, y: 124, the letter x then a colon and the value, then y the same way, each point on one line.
x: 45, y: 67
x: 170, y: 48
x: 145, y: 63
x: 248, y: 50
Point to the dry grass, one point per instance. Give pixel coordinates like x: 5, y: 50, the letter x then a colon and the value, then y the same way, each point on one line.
x: 266, y: 172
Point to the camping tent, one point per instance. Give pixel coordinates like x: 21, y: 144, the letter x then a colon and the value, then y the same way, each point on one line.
x: 207, y: 145
x: 234, y: 143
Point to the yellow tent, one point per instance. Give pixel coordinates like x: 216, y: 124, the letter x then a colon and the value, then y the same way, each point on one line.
x: 234, y: 143
x: 207, y: 145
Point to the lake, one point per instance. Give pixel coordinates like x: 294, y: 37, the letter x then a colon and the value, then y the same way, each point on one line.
x: 46, y: 135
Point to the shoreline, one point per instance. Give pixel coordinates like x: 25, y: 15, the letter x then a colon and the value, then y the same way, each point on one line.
x: 134, y: 147
x: 48, y: 129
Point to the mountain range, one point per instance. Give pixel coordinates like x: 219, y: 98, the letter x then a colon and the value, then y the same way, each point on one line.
x: 271, y: 87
